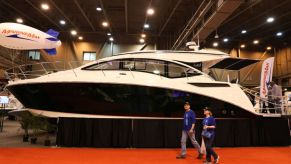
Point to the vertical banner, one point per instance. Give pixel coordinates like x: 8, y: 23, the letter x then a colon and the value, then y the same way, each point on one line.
x: 266, y: 76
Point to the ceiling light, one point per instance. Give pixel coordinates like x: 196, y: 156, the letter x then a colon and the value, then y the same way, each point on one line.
x: 225, y: 40
x: 150, y: 11
x: 111, y: 39
x: 216, y: 35
x: 98, y: 8
x: 141, y: 40
x: 270, y: 19
x: 242, y: 46
x: 279, y: 34
x: 19, y: 20
x: 62, y: 22
x: 146, y: 26
x: 215, y: 44
x: 45, y: 6
x: 74, y: 32
x: 244, y: 31
x: 108, y: 34
x: 256, y: 42
x: 105, y: 24
x: 80, y: 37
x: 269, y: 48
x: 143, y: 35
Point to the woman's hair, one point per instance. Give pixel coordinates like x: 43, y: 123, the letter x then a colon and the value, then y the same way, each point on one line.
x: 209, y: 110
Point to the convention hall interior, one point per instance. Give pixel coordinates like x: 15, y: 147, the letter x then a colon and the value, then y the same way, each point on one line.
x: 136, y: 81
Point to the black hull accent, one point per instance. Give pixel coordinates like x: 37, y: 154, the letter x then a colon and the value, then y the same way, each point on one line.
x: 118, y: 100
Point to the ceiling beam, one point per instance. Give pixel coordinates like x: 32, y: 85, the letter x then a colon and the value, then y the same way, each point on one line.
x: 41, y: 13
x: 63, y: 14
x: 105, y: 15
x: 169, y: 17
x: 126, y: 16
x: 84, y: 15
x: 22, y: 14
x: 197, y: 17
x: 256, y: 16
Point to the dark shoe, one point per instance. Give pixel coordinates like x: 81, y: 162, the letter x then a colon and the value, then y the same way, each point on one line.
x: 216, y: 160
x: 181, y: 157
x: 200, y: 156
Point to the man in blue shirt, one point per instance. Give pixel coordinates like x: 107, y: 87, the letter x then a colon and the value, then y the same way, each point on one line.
x: 188, y: 130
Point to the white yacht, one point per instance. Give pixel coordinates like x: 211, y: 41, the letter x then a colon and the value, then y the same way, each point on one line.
x: 148, y: 84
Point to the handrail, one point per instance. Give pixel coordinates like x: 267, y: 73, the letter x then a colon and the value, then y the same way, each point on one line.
x: 282, y: 107
x: 24, y: 71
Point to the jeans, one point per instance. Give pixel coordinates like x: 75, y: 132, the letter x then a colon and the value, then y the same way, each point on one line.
x: 209, y: 151
x: 184, y: 137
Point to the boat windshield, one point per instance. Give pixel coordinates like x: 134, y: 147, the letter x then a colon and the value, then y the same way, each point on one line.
x: 159, y: 67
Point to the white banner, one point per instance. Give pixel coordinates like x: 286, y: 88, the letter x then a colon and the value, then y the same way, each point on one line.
x: 266, y: 76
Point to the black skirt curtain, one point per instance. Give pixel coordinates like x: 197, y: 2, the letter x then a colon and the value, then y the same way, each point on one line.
x: 145, y: 133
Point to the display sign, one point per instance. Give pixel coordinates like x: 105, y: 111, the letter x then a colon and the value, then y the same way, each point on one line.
x: 266, y: 76
x: 4, y: 100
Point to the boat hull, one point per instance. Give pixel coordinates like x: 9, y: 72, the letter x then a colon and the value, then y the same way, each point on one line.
x: 118, y: 100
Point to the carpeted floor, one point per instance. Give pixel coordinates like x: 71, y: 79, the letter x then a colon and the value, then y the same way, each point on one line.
x: 266, y: 155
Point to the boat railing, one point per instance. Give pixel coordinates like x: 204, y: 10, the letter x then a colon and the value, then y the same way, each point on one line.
x: 266, y: 106
x: 33, y: 70
x: 160, y: 69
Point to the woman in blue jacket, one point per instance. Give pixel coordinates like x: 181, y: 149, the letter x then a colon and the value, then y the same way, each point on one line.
x: 208, y: 135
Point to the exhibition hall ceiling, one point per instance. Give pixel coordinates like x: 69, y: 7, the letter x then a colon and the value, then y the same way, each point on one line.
x: 124, y: 21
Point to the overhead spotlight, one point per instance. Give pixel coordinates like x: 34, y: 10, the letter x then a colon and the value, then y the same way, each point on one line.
x: 270, y: 19
x: 225, y: 40
x: 216, y: 35
x: 269, y: 48
x: 143, y: 35
x: 242, y: 46
x: 98, y: 8
x: 146, y: 26
x: 111, y: 39
x: 279, y: 33
x: 108, y: 34
x: 244, y: 31
x: 62, y: 22
x: 256, y: 41
x: 74, y: 32
x: 45, y: 6
x: 141, y: 40
x: 285, y: 89
x: 80, y: 37
x: 215, y: 44
x: 150, y: 11
x: 105, y: 24
x: 19, y: 20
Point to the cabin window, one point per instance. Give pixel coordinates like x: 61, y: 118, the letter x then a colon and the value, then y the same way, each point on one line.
x: 89, y: 56
x: 34, y: 55
x: 157, y: 67
x: 110, y: 65
x: 128, y: 65
x: 144, y: 65
x: 177, y: 71
x: 140, y: 65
